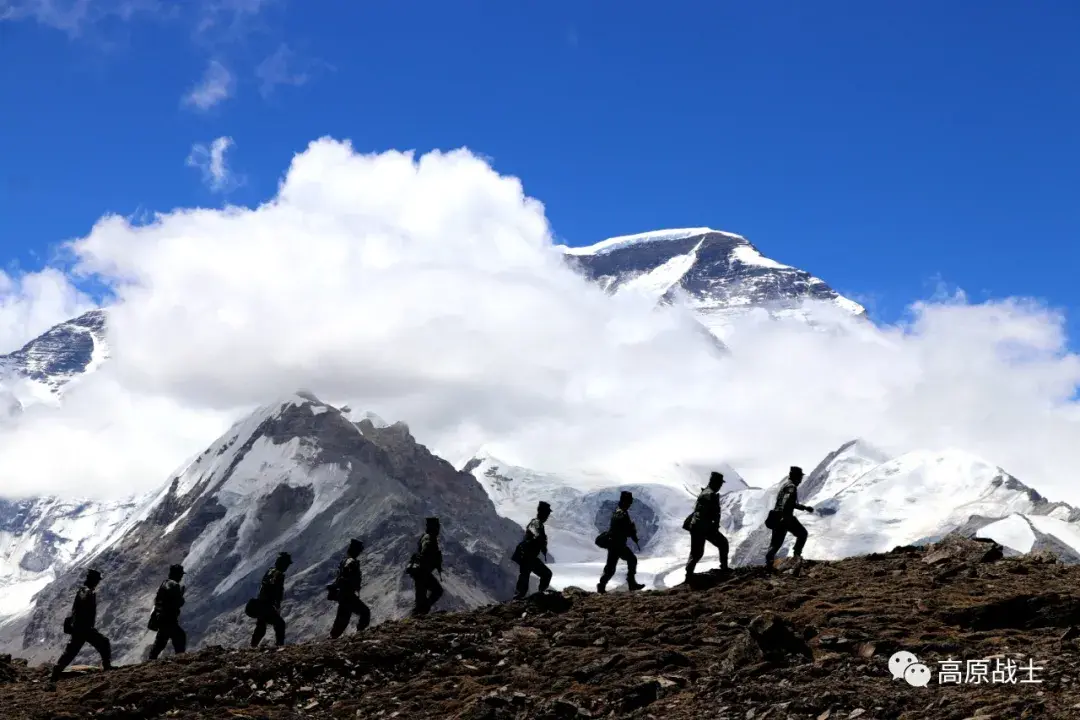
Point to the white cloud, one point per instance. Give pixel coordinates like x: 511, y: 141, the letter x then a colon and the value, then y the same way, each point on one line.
x: 428, y: 290
x: 210, y: 159
x: 74, y: 16
x: 283, y: 67
x: 216, y: 86
x: 31, y: 303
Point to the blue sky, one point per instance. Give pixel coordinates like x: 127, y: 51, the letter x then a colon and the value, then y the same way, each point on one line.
x: 881, y: 146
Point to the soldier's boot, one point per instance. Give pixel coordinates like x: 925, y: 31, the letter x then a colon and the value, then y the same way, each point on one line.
x: 600, y: 587
x: 634, y: 584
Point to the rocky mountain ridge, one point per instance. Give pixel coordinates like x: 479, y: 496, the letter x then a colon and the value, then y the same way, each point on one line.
x: 811, y: 646
x: 294, y: 476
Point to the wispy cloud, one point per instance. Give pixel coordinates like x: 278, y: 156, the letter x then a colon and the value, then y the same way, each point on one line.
x: 74, y: 16
x: 285, y: 67
x: 216, y: 86
x: 229, y: 17
x: 210, y: 159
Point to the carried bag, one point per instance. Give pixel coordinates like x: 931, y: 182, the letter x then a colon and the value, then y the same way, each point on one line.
x: 253, y: 608
x: 519, y: 553
x: 603, y: 540
x: 688, y: 522
x: 154, y: 623
x: 332, y: 592
x: 69, y: 625
x: 772, y: 520
x: 413, y: 566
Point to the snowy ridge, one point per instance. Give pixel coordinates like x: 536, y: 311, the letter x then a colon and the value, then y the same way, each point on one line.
x: 718, y: 275
x: 39, y: 371
x: 615, y: 243
x: 581, y: 505
x: 41, y: 537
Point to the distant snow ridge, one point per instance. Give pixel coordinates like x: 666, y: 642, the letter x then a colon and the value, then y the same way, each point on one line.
x: 719, y: 275
x: 41, y: 537
x: 866, y: 502
x: 582, y: 503
x: 43, y: 366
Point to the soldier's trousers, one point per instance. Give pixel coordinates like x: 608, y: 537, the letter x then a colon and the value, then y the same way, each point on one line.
x: 428, y: 591
x: 270, y: 616
x: 348, y: 606
x: 698, y: 538
x: 786, y: 525
x: 79, y: 638
x: 528, y: 568
x: 169, y: 631
x: 620, y: 552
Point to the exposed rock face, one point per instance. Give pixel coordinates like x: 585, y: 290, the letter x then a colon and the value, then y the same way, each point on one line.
x: 720, y: 275
x: 63, y: 352
x: 42, y: 537
x: 809, y: 647
x: 296, y: 476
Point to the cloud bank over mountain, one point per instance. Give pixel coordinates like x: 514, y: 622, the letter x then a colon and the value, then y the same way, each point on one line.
x: 429, y: 289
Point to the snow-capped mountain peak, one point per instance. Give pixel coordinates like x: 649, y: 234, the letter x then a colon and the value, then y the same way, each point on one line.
x: 720, y: 275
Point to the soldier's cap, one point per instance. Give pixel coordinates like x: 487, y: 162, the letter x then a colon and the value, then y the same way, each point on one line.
x: 92, y: 575
x: 354, y: 542
x: 626, y: 495
x: 284, y: 557
x: 432, y: 521
x: 795, y: 471
x: 177, y: 568
x: 542, y: 506
x: 716, y: 476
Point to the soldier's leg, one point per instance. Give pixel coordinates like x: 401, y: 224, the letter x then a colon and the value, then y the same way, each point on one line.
x: 420, y: 593
x: 260, y: 631
x: 778, y: 535
x: 160, y: 641
x: 796, y: 528
x: 717, y: 538
x: 631, y: 567
x: 363, y: 613
x: 179, y: 640
x: 434, y: 593
x: 100, y: 643
x: 522, y: 587
x: 70, y: 651
x: 341, y: 620
x: 609, y: 569
x: 697, y: 549
x: 543, y: 572
x: 279, y: 627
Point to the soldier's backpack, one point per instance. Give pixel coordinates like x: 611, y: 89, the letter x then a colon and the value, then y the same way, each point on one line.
x: 772, y: 520
x: 603, y: 540
x: 253, y: 608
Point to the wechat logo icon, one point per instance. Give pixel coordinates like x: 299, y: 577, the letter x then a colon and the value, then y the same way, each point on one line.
x: 905, y: 665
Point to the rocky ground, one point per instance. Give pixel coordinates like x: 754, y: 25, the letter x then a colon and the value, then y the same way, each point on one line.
x: 810, y: 645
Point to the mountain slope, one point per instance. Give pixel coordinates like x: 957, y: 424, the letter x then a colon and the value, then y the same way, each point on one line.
x: 719, y: 275
x: 42, y: 537
x: 582, y: 504
x: 814, y: 647
x: 297, y: 476
x: 64, y: 352
x: 867, y: 502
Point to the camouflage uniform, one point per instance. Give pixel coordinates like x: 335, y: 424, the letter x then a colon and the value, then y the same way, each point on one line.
x: 83, y: 630
x: 532, y: 547
x: 705, y: 527
x: 167, y: 604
